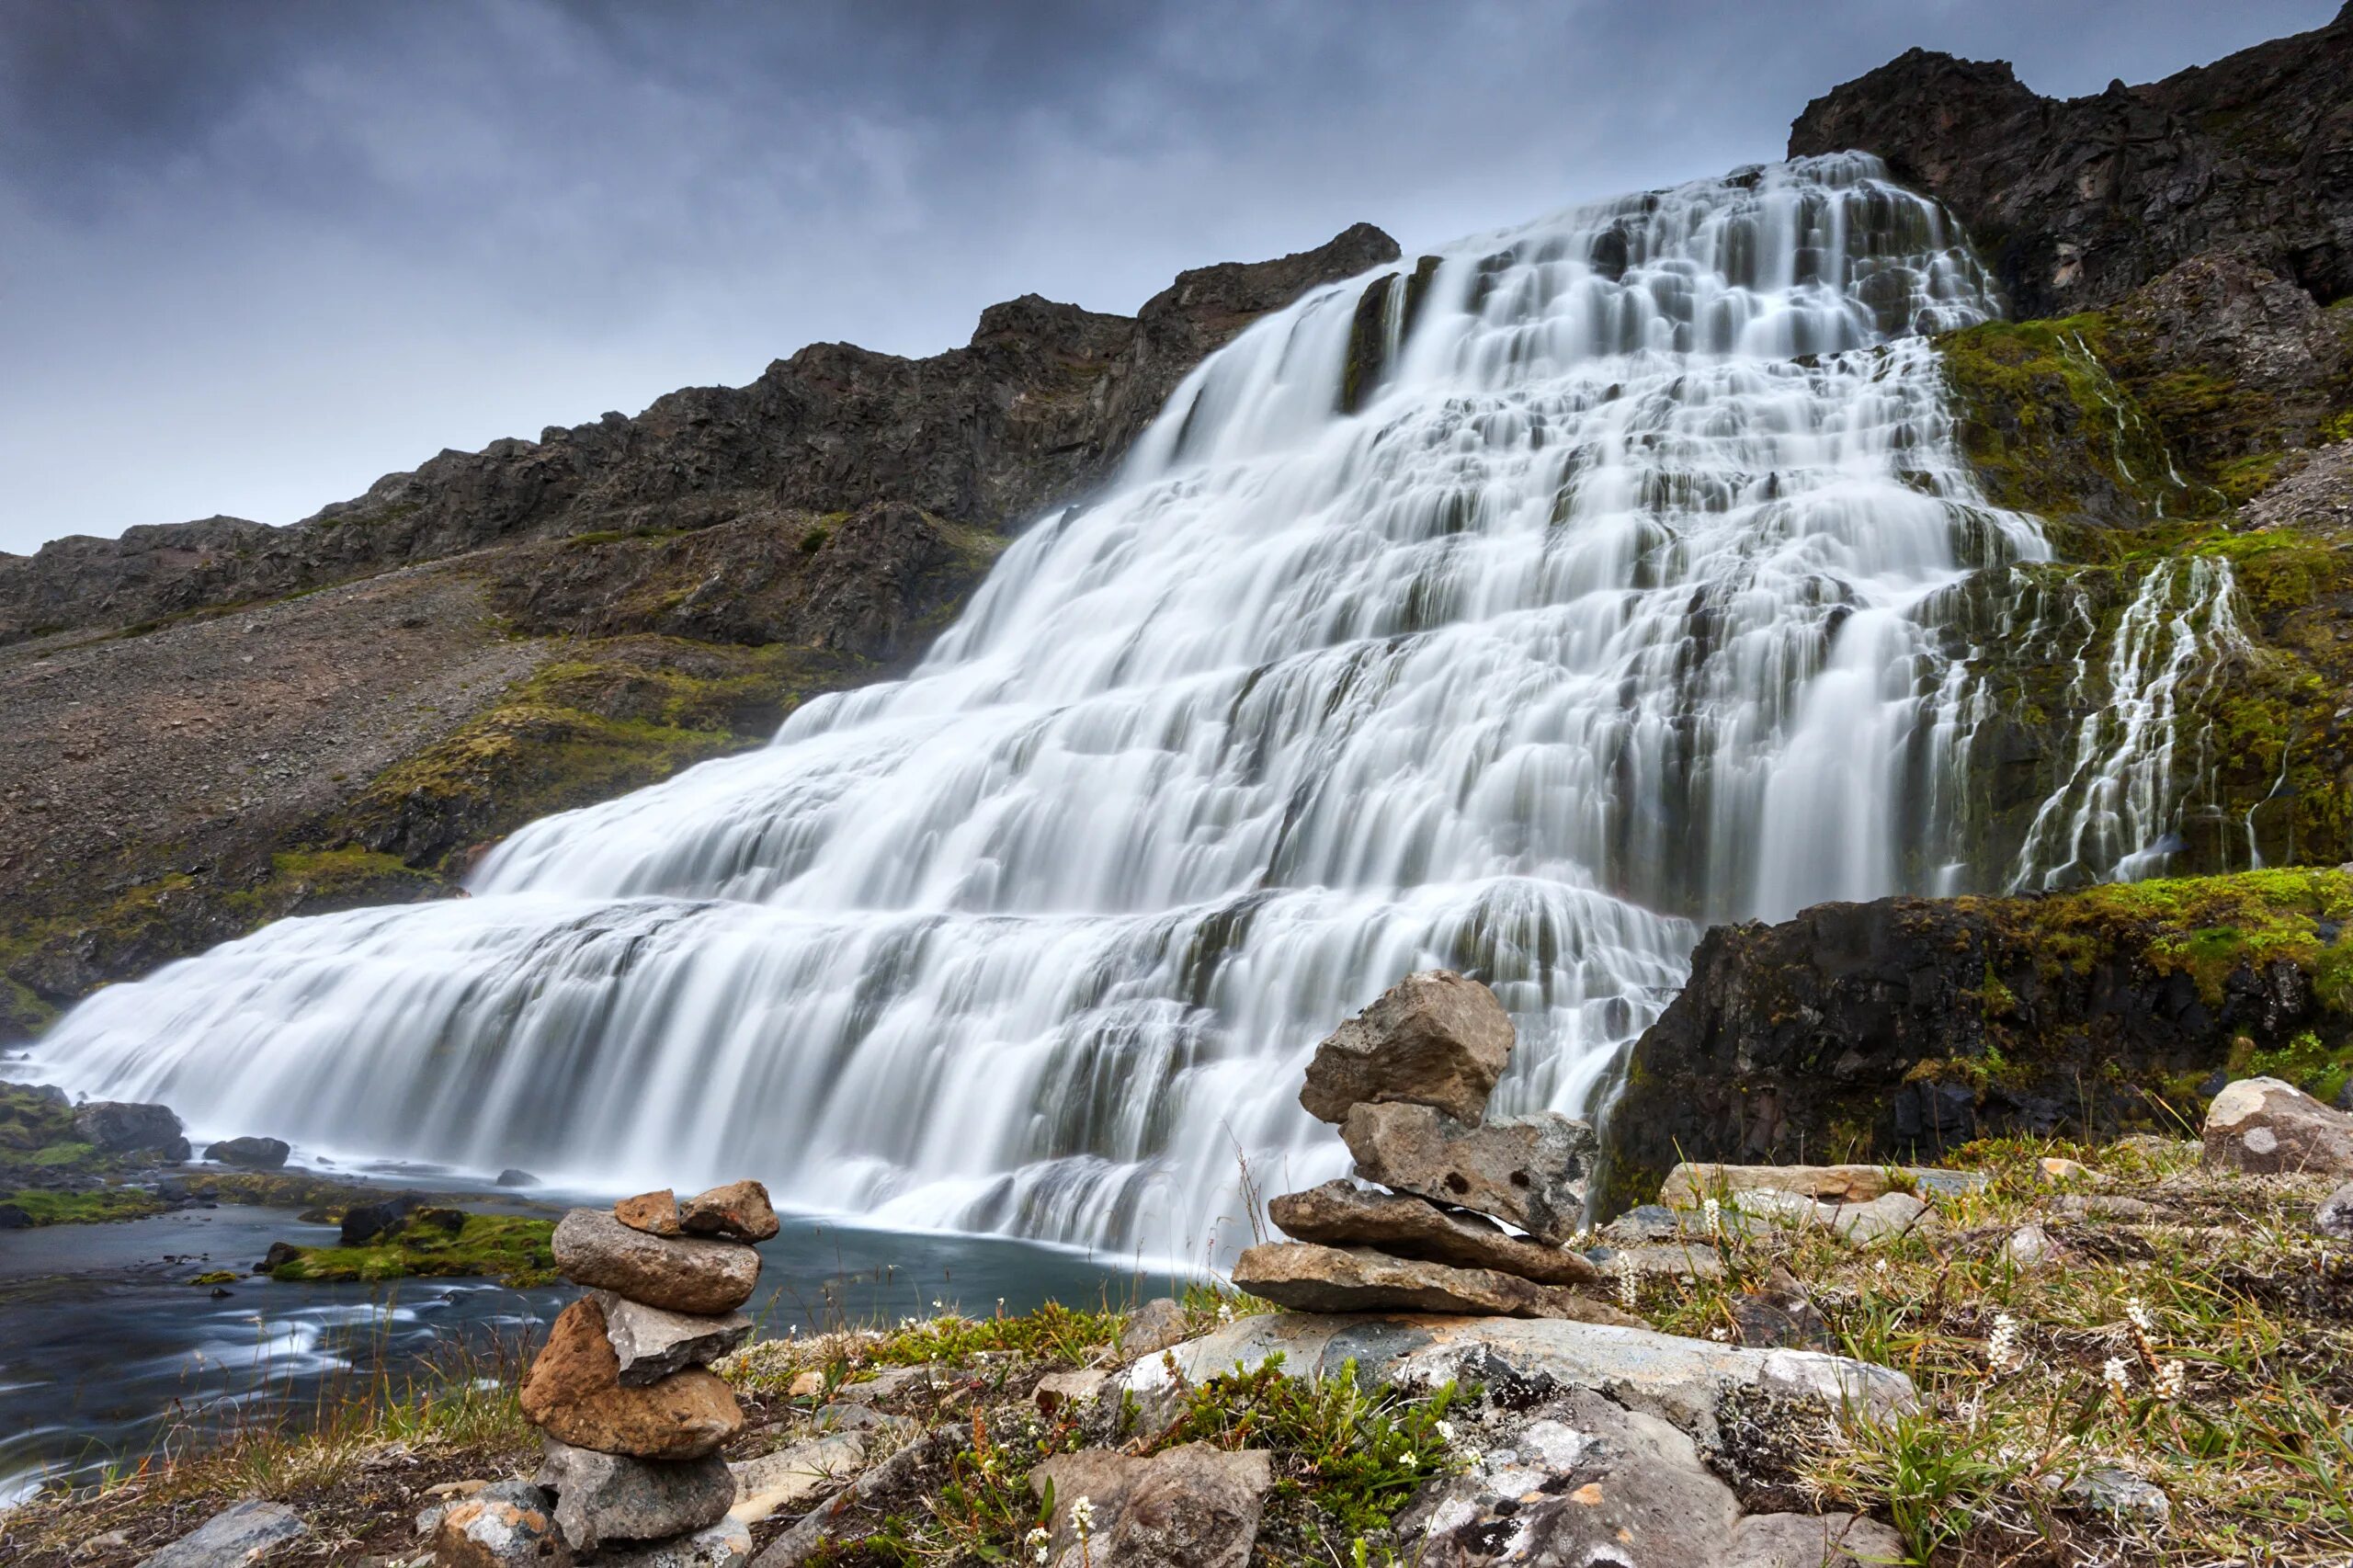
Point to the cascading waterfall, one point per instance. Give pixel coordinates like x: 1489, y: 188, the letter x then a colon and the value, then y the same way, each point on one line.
x: 1605, y: 607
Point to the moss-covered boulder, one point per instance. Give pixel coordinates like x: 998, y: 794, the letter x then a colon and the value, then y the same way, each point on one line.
x: 1898, y: 1027
x: 434, y: 1243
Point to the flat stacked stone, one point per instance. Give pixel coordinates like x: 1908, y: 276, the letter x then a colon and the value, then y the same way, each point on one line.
x: 632, y: 1418
x: 1407, y: 1083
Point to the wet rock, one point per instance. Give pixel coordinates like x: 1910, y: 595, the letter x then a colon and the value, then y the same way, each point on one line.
x: 368, y: 1221
x: 726, y: 1544
x: 511, y: 1176
x: 1434, y: 1039
x: 739, y: 1210
x: 1804, y: 1541
x: 2264, y: 1126
x: 119, y: 1127
x: 1151, y: 1328
x: 1678, y: 1380
x: 601, y: 1497
x: 785, y: 1481
x: 13, y: 1218
x: 1341, y: 1214
x: 680, y: 1275
x: 237, y: 1535
x: 509, y: 1525
x: 1586, y: 1483
x: 1308, y: 1277
x: 2335, y: 1216
x: 650, y: 1343
x: 573, y: 1392
x: 278, y: 1252
x: 1191, y: 1507
x: 656, y: 1213
x: 254, y: 1153
x: 1528, y: 1170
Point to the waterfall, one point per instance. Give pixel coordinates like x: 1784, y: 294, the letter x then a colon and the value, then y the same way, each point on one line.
x: 1569, y: 594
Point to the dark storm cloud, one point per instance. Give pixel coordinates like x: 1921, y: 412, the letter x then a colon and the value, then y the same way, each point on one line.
x: 252, y: 254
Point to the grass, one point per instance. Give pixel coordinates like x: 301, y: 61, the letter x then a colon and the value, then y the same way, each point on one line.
x: 511, y: 1248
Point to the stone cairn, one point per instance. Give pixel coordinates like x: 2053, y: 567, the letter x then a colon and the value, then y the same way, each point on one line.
x: 1407, y: 1081
x: 632, y: 1416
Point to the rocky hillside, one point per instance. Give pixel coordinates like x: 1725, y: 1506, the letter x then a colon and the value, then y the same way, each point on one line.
x: 216, y: 723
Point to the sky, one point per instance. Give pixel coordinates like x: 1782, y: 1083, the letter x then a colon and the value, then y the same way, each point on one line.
x: 255, y: 254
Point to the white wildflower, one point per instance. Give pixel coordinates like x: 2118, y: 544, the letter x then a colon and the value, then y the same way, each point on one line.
x: 2173, y: 1380
x: 1880, y: 1268
x: 1039, y: 1541
x: 1408, y: 1459
x: 2117, y: 1375
x: 2138, y: 1315
x: 1714, y: 1211
x: 2002, y: 1351
x: 1225, y: 1311
x: 1446, y: 1433
x: 1721, y: 1334
x: 1082, y: 1515
x: 1626, y: 1280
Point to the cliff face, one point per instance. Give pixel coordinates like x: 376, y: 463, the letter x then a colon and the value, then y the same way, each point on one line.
x: 2077, y: 202
x: 1041, y: 405
x: 536, y: 626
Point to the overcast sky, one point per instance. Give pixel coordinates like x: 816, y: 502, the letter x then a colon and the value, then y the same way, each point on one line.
x: 252, y: 254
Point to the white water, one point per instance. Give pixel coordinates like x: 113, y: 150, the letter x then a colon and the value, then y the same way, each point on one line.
x: 1603, y: 617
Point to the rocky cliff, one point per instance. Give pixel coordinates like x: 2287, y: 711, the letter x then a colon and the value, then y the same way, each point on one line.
x: 2077, y: 202
x: 215, y: 723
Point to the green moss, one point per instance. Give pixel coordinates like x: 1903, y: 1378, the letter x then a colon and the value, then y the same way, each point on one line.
x: 512, y: 1249
x: 93, y: 1207
x: 217, y: 1276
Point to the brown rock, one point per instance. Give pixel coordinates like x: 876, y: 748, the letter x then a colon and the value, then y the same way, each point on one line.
x: 1191, y: 1507
x: 656, y: 1213
x: 739, y: 1210
x: 679, y: 1275
x: 1312, y: 1278
x: 1338, y: 1214
x: 1151, y: 1328
x: 510, y: 1525
x: 2266, y: 1126
x: 1528, y: 1170
x: 573, y: 1391
x: 1433, y: 1038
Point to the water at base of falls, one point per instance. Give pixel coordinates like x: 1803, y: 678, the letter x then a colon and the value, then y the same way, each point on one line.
x: 1606, y: 613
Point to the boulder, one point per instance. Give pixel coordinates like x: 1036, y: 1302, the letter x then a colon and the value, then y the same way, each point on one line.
x: 785, y: 1481
x: 2335, y: 1216
x: 1587, y: 1482
x: 1434, y: 1039
x: 2267, y: 1127
x: 680, y: 1274
x: 739, y: 1210
x: 651, y: 1342
x: 1191, y: 1507
x: 573, y: 1392
x: 1313, y: 1278
x: 726, y: 1544
x: 1341, y: 1214
x: 363, y: 1225
x: 1528, y: 1170
x: 14, y: 1217
x: 509, y: 1525
x: 656, y: 1213
x: 1890, y: 1214
x: 121, y: 1126
x: 254, y: 1153
x: 1804, y: 1541
x: 238, y: 1534
x: 1151, y: 1328
x: 1681, y: 1381
x: 601, y: 1497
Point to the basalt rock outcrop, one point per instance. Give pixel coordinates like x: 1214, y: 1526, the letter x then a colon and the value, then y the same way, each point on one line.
x: 2077, y: 202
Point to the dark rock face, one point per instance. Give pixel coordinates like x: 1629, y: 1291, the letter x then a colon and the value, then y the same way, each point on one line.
x: 1039, y: 407
x: 2077, y: 202
x: 1901, y: 1026
x: 255, y: 1153
x: 117, y: 1127
x: 368, y: 1221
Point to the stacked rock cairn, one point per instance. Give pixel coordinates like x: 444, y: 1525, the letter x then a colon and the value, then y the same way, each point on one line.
x: 632, y: 1416
x: 1407, y: 1082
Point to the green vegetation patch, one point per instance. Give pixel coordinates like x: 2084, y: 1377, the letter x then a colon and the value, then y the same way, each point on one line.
x: 511, y: 1249
x: 99, y: 1204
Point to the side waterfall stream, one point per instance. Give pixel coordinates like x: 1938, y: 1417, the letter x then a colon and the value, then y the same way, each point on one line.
x: 1607, y: 606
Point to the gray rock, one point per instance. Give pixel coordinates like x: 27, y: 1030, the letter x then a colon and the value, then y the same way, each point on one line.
x: 1341, y: 1214
x: 1678, y: 1380
x: 2266, y: 1126
x: 1780, y: 1316
x: 1152, y: 1327
x: 1587, y: 1482
x: 832, y: 1522
x: 1307, y: 1278
x: 511, y: 1176
x: 1688, y: 1183
x: 1528, y: 1170
x: 1889, y: 1215
x: 653, y: 1343
x: 363, y: 1223
x: 1434, y: 1039
x: 601, y: 1497
x: 1058, y: 1388
x: 785, y: 1481
x: 2345, y: 1095
x: 121, y: 1126
x: 2029, y: 1247
x: 1803, y: 1541
x: 2118, y: 1494
x: 1192, y: 1506
x: 2335, y: 1216
x: 679, y: 1274
x: 727, y: 1544
x: 240, y: 1534
x: 254, y: 1153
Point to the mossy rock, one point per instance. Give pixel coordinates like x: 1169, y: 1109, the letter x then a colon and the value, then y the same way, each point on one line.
x: 512, y: 1249
x: 92, y: 1206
